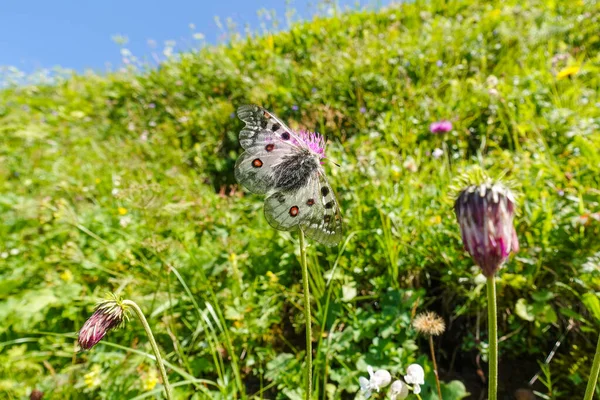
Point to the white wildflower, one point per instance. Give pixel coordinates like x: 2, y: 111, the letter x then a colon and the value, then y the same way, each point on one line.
x: 437, y: 153
x: 124, y: 221
x: 398, y: 390
x: 377, y: 380
x: 415, y: 376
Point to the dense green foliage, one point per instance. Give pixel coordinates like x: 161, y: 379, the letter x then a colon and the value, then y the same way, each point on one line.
x: 124, y: 183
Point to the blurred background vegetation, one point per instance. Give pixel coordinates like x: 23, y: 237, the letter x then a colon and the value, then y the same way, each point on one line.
x: 124, y: 183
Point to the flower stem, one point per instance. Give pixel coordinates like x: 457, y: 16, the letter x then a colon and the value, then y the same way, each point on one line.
x: 159, y: 361
x: 591, y: 386
x: 435, y: 368
x: 493, y: 339
x: 308, y: 382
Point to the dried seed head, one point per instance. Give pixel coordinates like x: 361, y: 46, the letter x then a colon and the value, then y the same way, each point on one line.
x: 429, y: 323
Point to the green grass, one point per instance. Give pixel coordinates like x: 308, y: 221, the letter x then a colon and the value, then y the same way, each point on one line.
x: 124, y: 183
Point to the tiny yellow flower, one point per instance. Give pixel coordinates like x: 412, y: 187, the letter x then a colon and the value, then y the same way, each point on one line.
x: 92, y: 379
x: 150, y: 379
x: 436, y: 220
x: 495, y: 13
x: 97, y: 180
x: 566, y: 72
x: 122, y: 211
x: 66, y: 276
x: 272, y: 277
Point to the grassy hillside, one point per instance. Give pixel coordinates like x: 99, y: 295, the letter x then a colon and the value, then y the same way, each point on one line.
x: 124, y: 183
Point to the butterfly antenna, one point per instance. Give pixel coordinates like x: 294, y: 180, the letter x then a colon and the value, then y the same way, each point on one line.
x: 334, y: 163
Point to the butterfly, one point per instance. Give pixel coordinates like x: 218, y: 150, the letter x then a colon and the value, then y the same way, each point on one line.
x: 286, y: 167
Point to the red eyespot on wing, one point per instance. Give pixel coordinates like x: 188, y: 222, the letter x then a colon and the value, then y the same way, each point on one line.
x: 267, y: 115
x: 269, y: 147
x: 310, y: 202
x: 257, y: 163
x: 294, y: 211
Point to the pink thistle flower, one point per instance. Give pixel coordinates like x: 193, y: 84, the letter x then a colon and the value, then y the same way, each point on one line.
x: 442, y: 126
x: 485, y: 213
x: 109, y: 314
x: 314, y: 141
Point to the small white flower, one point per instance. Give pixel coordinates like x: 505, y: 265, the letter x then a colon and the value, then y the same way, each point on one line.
x: 14, y: 252
x: 4, y: 254
x: 124, y: 221
x: 115, y: 191
x: 410, y: 164
x: 398, y: 390
x: 377, y: 380
x: 437, y: 153
x: 415, y: 376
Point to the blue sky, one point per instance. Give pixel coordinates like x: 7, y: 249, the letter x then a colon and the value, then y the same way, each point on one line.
x: 77, y: 34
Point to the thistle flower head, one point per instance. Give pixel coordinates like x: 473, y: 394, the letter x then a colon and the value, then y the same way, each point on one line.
x: 314, y: 141
x: 109, y: 314
x: 485, y: 212
x: 442, y: 126
x: 430, y: 324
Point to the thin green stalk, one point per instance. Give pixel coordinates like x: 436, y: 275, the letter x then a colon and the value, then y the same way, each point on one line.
x: 308, y: 373
x: 159, y: 360
x: 591, y: 386
x: 493, y: 338
x: 435, y: 368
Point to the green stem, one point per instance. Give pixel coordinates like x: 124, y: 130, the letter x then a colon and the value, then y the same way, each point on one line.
x: 493, y: 339
x: 308, y: 373
x: 591, y: 386
x: 435, y: 368
x: 159, y: 360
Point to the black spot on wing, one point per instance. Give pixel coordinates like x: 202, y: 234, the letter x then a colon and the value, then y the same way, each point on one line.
x: 324, y: 191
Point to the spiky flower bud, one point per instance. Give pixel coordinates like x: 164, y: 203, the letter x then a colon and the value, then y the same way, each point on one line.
x: 109, y: 314
x: 485, y: 213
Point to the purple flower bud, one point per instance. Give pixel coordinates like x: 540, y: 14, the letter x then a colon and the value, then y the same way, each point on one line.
x: 485, y: 213
x: 439, y: 63
x: 295, y: 107
x: 442, y: 126
x: 108, y: 315
x: 363, y: 110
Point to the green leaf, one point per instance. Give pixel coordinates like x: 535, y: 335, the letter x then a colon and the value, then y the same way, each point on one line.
x: 455, y: 390
x: 524, y: 310
x: 592, y: 303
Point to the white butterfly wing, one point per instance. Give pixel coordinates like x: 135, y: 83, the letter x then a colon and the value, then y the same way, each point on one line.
x: 268, y: 143
x: 254, y: 168
x: 285, y: 210
x: 260, y: 123
x: 313, y: 208
x: 325, y: 224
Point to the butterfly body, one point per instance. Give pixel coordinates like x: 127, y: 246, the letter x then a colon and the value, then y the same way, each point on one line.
x: 286, y: 167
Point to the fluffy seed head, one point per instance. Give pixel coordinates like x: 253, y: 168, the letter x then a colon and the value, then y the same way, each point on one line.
x: 429, y: 323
